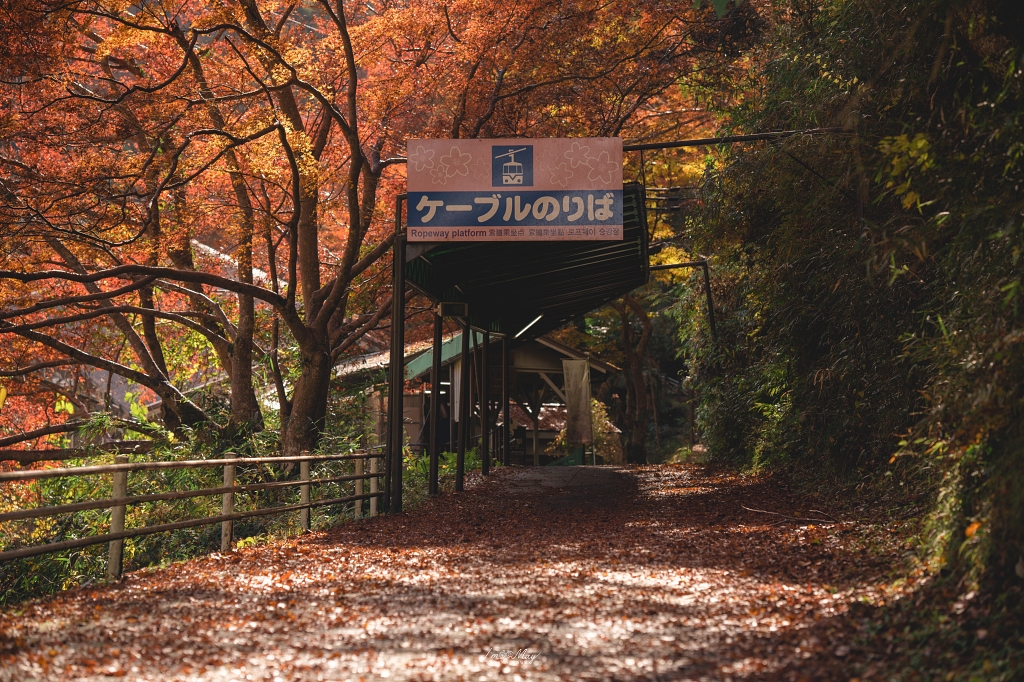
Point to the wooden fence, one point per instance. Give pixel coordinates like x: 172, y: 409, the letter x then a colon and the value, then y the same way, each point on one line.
x: 120, y: 498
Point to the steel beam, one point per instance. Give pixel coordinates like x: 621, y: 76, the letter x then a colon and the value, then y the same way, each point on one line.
x: 485, y: 445
x: 435, y: 405
x: 460, y: 457
x: 506, y: 402
x: 396, y: 383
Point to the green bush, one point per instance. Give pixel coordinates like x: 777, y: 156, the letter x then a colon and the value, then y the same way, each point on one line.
x: 867, y: 283
x: 48, y: 573
x: 416, y: 479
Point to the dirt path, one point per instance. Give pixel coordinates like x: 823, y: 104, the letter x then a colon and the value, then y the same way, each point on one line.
x: 555, y: 573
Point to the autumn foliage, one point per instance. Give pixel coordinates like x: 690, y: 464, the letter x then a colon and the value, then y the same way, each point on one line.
x: 200, y: 193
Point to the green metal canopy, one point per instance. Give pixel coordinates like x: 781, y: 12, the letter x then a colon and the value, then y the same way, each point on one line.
x: 451, y: 349
x: 508, y: 285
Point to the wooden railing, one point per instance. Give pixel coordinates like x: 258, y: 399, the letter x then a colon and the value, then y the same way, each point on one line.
x: 120, y: 499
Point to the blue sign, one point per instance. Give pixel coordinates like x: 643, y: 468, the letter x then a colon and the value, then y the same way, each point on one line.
x: 512, y: 165
x: 529, y: 214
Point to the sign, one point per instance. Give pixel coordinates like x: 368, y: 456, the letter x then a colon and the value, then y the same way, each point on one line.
x: 561, y: 189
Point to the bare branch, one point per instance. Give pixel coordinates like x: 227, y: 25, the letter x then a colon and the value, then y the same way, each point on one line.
x: 179, y: 317
x: 86, y: 358
x: 173, y: 274
x: 35, y: 368
x: 40, y: 432
x: 370, y: 324
x: 219, y: 313
x: 71, y: 300
x: 362, y: 264
x: 448, y: 20
x: 374, y: 320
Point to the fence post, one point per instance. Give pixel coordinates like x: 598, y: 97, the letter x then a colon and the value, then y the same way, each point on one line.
x: 227, y: 507
x: 373, y: 486
x: 115, y: 551
x: 359, y: 488
x: 304, y: 494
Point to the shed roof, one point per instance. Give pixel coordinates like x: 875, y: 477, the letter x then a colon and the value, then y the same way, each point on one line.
x: 451, y: 350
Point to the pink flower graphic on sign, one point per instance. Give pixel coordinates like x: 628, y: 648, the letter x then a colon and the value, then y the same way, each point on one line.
x: 548, y: 161
x: 481, y: 169
x: 440, y: 175
x: 457, y: 162
x: 602, y: 168
x: 422, y: 158
x: 560, y: 174
x: 577, y: 155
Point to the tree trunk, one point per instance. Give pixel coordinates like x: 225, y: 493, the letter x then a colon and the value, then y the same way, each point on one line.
x: 636, y: 416
x: 245, y: 409
x: 309, y: 403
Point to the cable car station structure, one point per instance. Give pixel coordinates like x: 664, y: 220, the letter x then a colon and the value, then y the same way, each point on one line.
x: 508, y: 294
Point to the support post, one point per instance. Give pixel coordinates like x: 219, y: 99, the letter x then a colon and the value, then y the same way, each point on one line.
x: 304, y: 495
x: 396, y: 385
x: 227, y: 506
x: 374, y: 485
x: 359, y: 488
x: 435, y: 405
x: 536, y: 433
x: 485, y: 422
x: 380, y: 449
x: 460, y: 458
x: 115, y: 551
x: 385, y: 500
x: 506, y: 404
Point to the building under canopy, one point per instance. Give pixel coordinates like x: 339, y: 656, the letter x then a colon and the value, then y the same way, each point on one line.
x: 508, y: 294
x: 519, y: 291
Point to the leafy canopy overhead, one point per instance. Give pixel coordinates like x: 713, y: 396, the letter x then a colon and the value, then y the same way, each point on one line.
x: 719, y: 5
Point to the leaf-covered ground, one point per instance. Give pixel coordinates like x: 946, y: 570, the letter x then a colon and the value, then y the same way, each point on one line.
x: 569, y: 573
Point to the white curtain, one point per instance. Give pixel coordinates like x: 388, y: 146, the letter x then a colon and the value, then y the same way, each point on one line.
x: 456, y: 388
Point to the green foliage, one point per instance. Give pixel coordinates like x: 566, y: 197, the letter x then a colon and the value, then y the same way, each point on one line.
x: 867, y: 283
x: 721, y: 6
x: 600, y: 334
x: 347, y: 426
x: 416, y: 479
x: 607, y: 444
x: 48, y: 573
x: 867, y: 286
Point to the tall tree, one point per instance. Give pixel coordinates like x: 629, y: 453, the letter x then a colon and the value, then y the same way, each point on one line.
x: 220, y: 173
x: 636, y: 415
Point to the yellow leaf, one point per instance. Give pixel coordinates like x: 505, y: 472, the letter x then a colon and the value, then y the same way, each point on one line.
x: 972, y: 529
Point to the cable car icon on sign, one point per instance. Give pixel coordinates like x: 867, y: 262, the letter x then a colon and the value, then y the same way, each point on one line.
x: 511, y: 170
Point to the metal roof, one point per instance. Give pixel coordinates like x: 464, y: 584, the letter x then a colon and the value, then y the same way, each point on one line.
x: 451, y: 350
x: 419, y: 363
x: 509, y: 284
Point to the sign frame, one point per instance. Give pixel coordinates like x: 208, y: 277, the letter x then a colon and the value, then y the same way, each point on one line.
x: 514, y: 189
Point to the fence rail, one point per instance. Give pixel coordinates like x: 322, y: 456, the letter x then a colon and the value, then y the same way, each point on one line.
x: 120, y: 499
x: 31, y: 456
x: 35, y: 474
